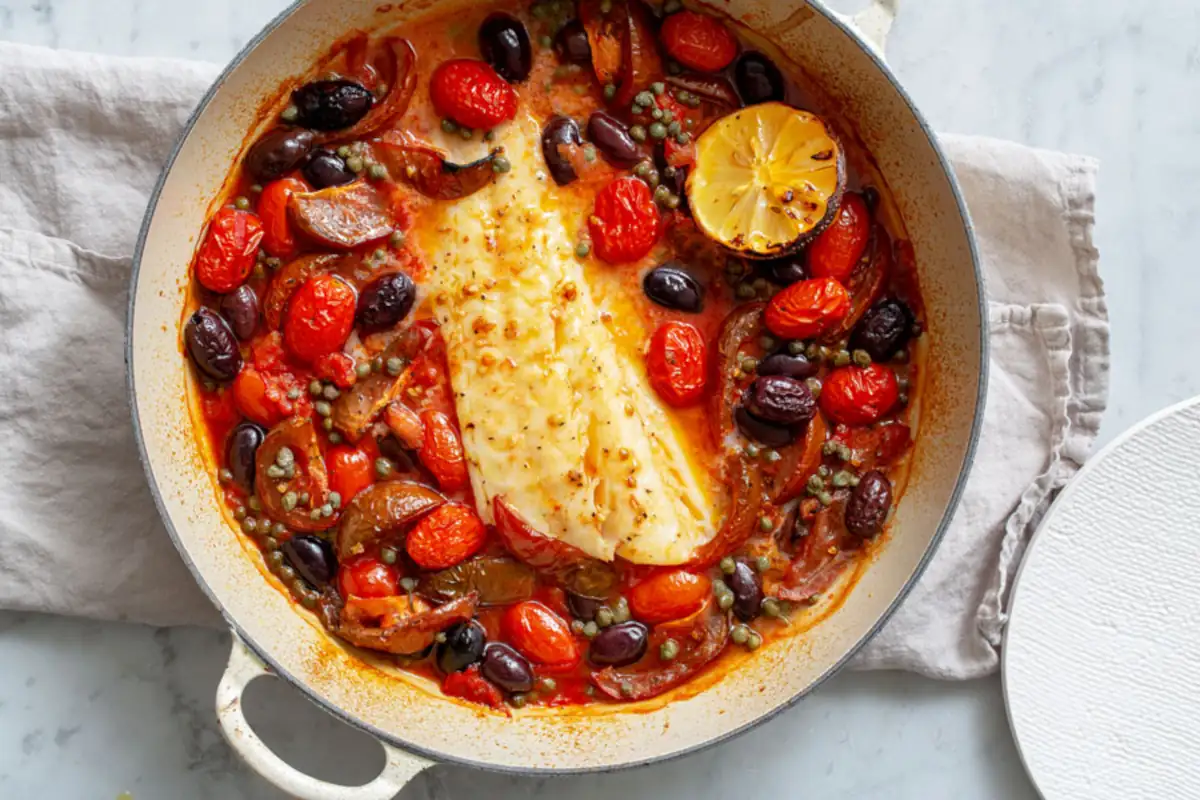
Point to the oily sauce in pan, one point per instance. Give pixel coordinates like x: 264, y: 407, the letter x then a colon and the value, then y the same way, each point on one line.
x: 748, y: 289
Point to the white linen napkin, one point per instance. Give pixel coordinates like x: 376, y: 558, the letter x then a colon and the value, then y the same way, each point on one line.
x: 82, y: 139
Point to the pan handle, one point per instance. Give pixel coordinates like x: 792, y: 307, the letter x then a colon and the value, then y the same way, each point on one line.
x: 874, y: 22
x: 244, y: 667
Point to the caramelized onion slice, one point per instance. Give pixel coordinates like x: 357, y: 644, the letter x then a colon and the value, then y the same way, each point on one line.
x: 426, y: 169
x: 408, y: 625
x: 380, y: 511
x: 709, y: 638
x: 298, y: 435
x: 342, y: 217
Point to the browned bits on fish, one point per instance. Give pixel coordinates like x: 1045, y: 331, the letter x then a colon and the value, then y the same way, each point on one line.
x: 623, y: 453
x: 575, y: 477
x: 470, y: 290
x: 570, y: 291
x: 488, y: 359
x: 824, y: 155
x: 481, y: 326
x: 511, y: 331
x: 558, y: 420
x: 629, y: 409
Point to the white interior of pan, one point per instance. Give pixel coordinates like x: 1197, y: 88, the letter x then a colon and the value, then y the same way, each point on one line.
x: 409, y: 715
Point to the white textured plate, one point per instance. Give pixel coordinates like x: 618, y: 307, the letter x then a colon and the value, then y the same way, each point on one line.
x: 1102, y: 656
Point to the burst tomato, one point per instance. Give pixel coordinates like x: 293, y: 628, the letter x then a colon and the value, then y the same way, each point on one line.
x: 448, y: 535
x: 669, y: 595
x: 472, y: 94
x: 442, y: 451
x: 837, y: 250
x: 699, y: 41
x: 859, y: 395
x: 320, y: 317
x: 472, y: 687
x: 350, y: 471
x: 251, y: 394
x: 678, y: 363
x: 336, y: 367
x: 229, y: 251
x: 278, y: 238
x: 540, y: 634
x: 625, y: 223
x: 807, y: 308
x: 365, y: 576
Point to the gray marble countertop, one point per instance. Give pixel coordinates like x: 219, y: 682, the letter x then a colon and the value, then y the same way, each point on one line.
x: 91, y: 710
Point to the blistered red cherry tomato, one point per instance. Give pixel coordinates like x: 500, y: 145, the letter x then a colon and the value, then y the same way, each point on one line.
x: 229, y: 251
x: 350, y: 471
x: 278, y: 238
x: 471, y: 93
x: 699, y: 41
x: 442, y: 451
x: 859, y: 395
x: 837, y: 249
x: 625, y: 223
x: 446, y: 536
x: 540, y: 634
x: 807, y: 308
x: 320, y: 317
x: 366, y: 576
x: 678, y: 363
x: 669, y: 595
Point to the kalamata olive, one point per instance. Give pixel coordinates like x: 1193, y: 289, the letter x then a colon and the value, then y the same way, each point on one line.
x: 619, y: 645
x: 787, y: 365
x: 560, y: 132
x: 240, y: 309
x: 870, y: 196
x: 785, y: 271
x: 883, y: 330
x: 504, y: 43
x: 781, y: 400
x: 747, y: 591
x: 324, y: 169
x: 673, y: 287
x: 212, y: 345
x: 278, y: 153
x: 868, y: 506
x: 462, y: 648
x: 240, y: 450
x: 583, y: 608
x: 386, y: 301
x: 612, y: 138
x: 761, y: 430
x: 332, y: 105
x: 758, y: 79
x: 571, y: 44
x: 505, y: 667
x: 313, y: 558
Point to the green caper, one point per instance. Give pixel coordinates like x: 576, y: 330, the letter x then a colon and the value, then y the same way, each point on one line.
x: 638, y: 133
x: 728, y: 565
x: 395, y: 366
x: 377, y: 172
x: 726, y: 601
x: 657, y: 130
x: 841, y: 358
x: 547, y: 684
x: 275, y: 472
x: 355, y: 164
x: 815, y: 485
x: 582, y: 250
x: 239, y: 513
x: 796, y: 347
x: 249, y: 524
x: 274, y: 560
x: 621, y: 611
x: 388, y: 555
x: 315, y: 388
x: 242, y: 203
x: 363, y: 369
x: 744, y: 291
x: 861, y: 358
x: 323, y: 408
x: 752, y: 450
x: 604, y: 617
x: 290, y: 114
x: 501, y: 165
x: 331, y: 392
x: 826, y: 498
x: 740, y: 634
x: 842, y: 478
x: 383, y: 468
x: 668, y: 650
x: 766, y: 524
x: 814, y: 386
x: 591, y: 629
x: 518, y: 700
x: 771, y: 608
x: 397, y: 239
x: 644, y: 99
x: 449, y: 126
x: 577, y: 627
x: 753, y: 641
x: 610, y: 91
x: 762, y: 563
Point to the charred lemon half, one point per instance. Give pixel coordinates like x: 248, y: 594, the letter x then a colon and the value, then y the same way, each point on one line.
x: 767, y: 178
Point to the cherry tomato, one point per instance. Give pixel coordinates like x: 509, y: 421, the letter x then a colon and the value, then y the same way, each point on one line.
x: 678, y: 363
x: 472, y: 94
x: 669, y: 595
x: 472, y: 687
x: 350, y: 471
x: 679, y: 155
x: 859, y: 395
x: 699, y: 41
x: 837, y: 249
x: 336, y: 367
x: 540, y: 634
x: 365, y: 576
x: 405, y: 424
x: 250, y: 392
x: 807, y: 309
x: 319, y: 317
x: 625, y: 223
x: 229, y: 251
x: 448, y: 535
x: 278, y: 238
x: 442, y: 451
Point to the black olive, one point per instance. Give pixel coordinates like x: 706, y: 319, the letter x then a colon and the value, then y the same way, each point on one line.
x: 870, y: 196
x: 240, y: 309
x: 278, y: 153
x: 240, y: 451
x: 333, y: 104
x: 324, y: 169
x: 505, y: 667
x: 386, y: 301
x: 583, y: 608
x: 885, y: 329
x: 758, y: 79
x: 619, y: 645
x: 781, y: 400
x: 212, y: 345
x: 313, y: 558
x: 504, y: 43
x: 868, y: 506
x: 747, y: 591
x: 672, y: 287
x: 571, y: 44
x: 787, y: 365
x: 784, y: 271
x: 612, y: 138
x: 762, y: 431
x: 560, y: 132
x: 462, y: 648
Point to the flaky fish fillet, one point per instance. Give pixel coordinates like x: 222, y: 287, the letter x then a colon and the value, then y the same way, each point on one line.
x: 554, y: 417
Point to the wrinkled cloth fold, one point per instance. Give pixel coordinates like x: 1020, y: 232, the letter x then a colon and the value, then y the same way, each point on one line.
x: 82, y: 140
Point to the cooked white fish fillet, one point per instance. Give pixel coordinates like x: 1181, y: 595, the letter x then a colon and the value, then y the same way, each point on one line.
x: 554, y: 417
